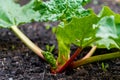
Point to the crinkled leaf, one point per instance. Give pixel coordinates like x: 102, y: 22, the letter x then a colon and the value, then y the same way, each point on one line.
x: 13, y: 14
x: 60, y: 9
x: 107, y: 32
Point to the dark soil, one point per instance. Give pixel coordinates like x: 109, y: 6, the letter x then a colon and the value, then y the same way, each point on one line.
x: 17, y: 62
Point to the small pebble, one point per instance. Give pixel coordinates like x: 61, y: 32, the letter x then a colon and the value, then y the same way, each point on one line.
x: 10, y: 79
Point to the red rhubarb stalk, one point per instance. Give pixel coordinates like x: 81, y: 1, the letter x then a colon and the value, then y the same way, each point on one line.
x: 61, y: 69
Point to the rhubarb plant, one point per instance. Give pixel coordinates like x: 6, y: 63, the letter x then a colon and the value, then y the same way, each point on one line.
x: 101, y: 31
x: 78, y: 26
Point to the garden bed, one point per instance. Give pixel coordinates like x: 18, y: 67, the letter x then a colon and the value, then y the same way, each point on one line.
x: 17, y: 62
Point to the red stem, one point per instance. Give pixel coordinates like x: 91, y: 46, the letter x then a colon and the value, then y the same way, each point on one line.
x: 76, y: 53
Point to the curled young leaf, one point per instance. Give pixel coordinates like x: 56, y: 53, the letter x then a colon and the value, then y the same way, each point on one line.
x: 50, y: 59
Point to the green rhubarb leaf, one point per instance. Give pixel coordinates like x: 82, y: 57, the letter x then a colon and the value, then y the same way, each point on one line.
x: 12, y: 13
x: 118, y: 33
x: 107, y: 31
x: 106, y: 11
x: 79, y: 31
x: 113, y: 42
x: 54, y: 10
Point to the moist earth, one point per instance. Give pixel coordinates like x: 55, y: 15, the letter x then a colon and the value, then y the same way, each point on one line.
x: 17, y: 62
